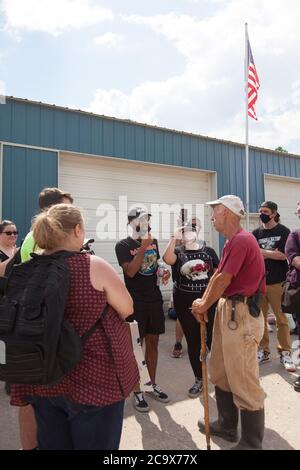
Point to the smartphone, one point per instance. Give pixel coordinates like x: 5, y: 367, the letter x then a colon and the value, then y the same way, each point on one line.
x: 183, y: 216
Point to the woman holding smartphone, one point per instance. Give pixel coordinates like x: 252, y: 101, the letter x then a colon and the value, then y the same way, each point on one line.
x: 193, y: 263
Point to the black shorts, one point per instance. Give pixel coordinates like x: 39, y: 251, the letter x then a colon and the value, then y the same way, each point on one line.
x: 149, y: 316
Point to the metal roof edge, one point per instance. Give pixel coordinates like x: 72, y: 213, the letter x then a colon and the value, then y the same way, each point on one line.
x: 151, y: 126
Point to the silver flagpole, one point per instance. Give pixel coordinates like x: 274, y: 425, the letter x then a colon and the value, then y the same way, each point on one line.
x: 246, y: 141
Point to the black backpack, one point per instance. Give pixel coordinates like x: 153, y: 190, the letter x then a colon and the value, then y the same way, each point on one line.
x: 40, y: 345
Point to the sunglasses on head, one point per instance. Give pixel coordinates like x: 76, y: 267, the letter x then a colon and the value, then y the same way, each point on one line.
x: 9, y: 233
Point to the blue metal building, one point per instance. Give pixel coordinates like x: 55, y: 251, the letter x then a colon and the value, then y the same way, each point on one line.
x: 35, y: 136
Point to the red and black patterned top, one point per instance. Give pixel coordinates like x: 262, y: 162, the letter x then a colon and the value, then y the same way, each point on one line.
x: 108, y: 371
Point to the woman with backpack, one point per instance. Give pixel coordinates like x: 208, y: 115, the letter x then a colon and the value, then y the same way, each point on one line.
x: 84, y: 410
x: 193, y: 263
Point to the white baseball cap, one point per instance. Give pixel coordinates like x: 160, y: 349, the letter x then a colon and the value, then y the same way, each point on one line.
x: 233, y: 203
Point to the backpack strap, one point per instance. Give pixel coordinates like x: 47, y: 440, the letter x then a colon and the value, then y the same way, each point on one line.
x: 93, y: 328
x: 63, y: 254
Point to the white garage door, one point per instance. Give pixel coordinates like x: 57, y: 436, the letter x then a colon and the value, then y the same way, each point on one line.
x: 286, y: 193
x: 93, y: 181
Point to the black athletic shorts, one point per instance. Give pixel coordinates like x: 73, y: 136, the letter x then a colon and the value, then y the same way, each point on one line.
x: 149, y: 316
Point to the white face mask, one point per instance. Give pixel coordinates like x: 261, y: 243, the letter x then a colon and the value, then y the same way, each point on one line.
x: 140, y: 228
x: 190, y: 237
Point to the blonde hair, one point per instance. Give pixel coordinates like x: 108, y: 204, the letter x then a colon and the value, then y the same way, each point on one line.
x: 52, y: 227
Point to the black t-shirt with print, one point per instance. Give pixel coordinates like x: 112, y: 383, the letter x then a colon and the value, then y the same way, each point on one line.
x: 3, y: 256
x: 273, y: 239
x: 193, y: 269
x: 143, y: 286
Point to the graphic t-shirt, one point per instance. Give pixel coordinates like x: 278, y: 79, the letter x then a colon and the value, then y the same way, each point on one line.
x: 273, y: 239
x: 193, y: 269
x: 143, y: 286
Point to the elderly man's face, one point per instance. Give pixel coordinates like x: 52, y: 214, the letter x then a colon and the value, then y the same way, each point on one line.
x: 219, y: 217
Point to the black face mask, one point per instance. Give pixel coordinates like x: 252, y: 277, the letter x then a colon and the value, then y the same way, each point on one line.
x: 265, y: 218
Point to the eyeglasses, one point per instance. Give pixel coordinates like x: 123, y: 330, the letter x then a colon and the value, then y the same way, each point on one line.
x: 9, y: 233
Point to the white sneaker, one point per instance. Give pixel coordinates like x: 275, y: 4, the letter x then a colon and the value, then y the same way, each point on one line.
x: 286, y: 361
x: 158, y: 394
x: 262, y: 356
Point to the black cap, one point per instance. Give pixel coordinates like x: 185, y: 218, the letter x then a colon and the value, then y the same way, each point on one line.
x: 136, y: 213
x: 270, y: 205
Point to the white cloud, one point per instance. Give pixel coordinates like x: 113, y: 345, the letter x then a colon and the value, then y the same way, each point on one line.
x: 109, y: 40
x: 296, y: 92
x: 208, y: 96
x: 141, y: 104
x: 274, y: 130
x: 150, y: 102
x: 278, y: 125
x: 206, y: 1
x: 52, y: 16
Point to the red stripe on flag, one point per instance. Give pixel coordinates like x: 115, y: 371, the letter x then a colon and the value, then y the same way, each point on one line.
x: 253, y: 85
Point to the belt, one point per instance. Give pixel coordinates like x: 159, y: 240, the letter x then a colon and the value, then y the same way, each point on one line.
x: 236, y: 298
x: 232, y: 323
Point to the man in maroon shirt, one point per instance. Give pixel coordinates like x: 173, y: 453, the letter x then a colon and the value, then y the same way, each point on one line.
x: 233, y: 363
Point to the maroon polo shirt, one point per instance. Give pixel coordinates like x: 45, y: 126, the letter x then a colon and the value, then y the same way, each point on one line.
x: 242, y: 258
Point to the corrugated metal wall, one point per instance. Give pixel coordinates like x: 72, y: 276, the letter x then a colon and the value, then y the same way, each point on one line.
x: 275, y: 164
x: 25, y: 173
x: 46, y: 126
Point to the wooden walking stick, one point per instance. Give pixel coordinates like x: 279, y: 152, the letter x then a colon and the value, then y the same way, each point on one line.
x: 203, y: 355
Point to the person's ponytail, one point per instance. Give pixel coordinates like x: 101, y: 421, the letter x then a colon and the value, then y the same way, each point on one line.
x: 52, y: 227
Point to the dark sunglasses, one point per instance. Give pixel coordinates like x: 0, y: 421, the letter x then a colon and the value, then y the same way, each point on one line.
x: 9, y: 233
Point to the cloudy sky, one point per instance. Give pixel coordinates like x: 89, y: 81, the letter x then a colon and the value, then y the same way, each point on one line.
x: 173, y: 63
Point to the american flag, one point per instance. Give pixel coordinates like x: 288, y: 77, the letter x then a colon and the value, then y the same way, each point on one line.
x: 253, y: 84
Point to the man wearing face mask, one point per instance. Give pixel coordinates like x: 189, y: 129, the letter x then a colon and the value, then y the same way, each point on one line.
x: 272, y: 237
x: 138, y: 256
x: 193, y: 264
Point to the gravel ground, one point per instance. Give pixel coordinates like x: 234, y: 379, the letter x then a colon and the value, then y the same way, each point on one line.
x: 174, y: 426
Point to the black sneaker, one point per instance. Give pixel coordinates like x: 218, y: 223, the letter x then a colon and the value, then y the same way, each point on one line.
x: 158, y: 394
x: 140, y: 403
x: 196, y: 389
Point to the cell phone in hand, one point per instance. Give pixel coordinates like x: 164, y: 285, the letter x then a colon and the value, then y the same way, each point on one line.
x: 183, y: 216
